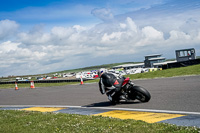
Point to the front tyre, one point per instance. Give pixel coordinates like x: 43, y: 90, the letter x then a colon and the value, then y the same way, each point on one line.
x: 140, y: 93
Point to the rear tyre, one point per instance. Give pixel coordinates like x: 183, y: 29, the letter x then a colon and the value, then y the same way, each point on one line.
x: 140, y: 93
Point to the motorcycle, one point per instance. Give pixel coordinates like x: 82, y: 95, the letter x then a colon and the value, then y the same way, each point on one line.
x: 131, y: 92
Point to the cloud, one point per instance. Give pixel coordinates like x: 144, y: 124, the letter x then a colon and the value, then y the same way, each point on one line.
x: 178, y: 35
x: 62, y: 32
x: 151, y: 33
x: 114, y: 36
x: 7, y: 28
x: 8, y: 46
x: 103, y: 14
x: 131, y: 24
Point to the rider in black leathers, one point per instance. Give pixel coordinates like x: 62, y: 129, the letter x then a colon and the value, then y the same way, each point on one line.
x: 110, y: 84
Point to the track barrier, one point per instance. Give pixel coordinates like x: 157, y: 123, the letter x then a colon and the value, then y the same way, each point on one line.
x: 44, y: 81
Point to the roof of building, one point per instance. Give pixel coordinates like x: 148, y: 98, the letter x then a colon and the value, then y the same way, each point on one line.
x: 164, y: 63
x: 185, y: 49
x: 159, y: 58
x: 129, y: 65
x: 153, y: 55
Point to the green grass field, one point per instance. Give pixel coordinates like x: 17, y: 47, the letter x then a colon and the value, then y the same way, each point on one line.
x: 38, y: 122
x: 182, y: 71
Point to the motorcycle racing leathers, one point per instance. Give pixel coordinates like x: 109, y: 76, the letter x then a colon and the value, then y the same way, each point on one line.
x: 110, y: 84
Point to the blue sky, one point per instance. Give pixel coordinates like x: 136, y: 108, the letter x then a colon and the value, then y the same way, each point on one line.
x: 66, y: 12
x: 53, y: 35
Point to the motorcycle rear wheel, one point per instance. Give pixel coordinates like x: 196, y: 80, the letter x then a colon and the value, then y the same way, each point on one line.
x: 140, y: 93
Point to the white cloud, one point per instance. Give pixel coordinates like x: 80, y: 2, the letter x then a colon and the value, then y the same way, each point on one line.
x: 79, y: 28
x: 151, y: 33
x: 131, y: 24
x: 103, y: 14
x: 115, y: 36
x: 8, y: 46
x: 34, y: 38
x: 149, y: 37
x: 178, y: 35
x: 7, y: 28
x: 62, y: 32
x: 123, y: 26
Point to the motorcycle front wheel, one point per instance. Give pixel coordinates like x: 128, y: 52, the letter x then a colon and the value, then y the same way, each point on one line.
x: 140, y: 93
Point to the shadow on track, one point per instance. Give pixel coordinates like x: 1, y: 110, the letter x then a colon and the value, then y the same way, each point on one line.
x: 108, y: 103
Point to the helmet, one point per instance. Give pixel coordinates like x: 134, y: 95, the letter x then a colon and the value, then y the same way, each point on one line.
x: 100, y: 71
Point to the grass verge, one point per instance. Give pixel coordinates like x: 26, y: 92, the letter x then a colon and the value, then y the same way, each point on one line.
x: 182, y: 71
x: 31, y: 122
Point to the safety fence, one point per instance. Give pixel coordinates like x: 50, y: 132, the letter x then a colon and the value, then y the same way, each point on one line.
x: 44, y: 81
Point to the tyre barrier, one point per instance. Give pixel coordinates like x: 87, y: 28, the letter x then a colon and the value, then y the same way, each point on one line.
x: 44, y: 81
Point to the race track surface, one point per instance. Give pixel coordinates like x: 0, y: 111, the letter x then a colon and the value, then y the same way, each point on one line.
x: 174, y: 94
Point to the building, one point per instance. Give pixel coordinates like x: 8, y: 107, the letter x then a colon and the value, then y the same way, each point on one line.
x: 129, y: 66
x: 161, y: 64
x: 185, y: 54
x: 151, y: 59
x: 184, y: 57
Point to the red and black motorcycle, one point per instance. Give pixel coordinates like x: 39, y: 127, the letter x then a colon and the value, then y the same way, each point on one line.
x: 130, y: 91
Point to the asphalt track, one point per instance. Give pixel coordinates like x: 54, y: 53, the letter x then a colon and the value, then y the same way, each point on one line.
x: 177, y: 95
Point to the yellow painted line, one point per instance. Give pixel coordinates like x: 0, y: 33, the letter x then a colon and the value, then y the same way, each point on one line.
x: 43, y: 109
x: 144, y: 116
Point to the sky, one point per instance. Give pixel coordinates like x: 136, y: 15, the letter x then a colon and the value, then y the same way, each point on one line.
x: 45, y: 36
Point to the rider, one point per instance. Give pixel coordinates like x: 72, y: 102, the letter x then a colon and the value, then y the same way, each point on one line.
x: 110, y: 84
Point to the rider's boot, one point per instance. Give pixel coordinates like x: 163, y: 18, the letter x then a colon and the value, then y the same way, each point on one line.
x: 110, y: 95
x: 122, y: 97
x: 110, y: 98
